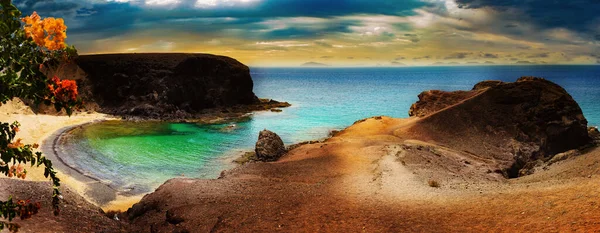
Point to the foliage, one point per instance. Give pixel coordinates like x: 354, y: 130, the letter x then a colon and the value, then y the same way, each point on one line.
x: 30, y: 47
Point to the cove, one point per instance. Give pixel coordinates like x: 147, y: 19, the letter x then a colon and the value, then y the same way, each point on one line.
x: 139, y: 156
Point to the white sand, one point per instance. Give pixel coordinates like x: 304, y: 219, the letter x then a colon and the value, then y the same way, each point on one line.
x: 36, y: 128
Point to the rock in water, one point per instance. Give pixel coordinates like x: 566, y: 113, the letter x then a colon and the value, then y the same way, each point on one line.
x: 512, y: 124
x: 269, y: 146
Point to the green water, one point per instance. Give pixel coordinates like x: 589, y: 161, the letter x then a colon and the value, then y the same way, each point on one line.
x: 141, y: 156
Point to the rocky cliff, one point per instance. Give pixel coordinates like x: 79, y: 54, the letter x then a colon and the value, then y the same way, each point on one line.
x: 165, y: 85
x: 515, y: 124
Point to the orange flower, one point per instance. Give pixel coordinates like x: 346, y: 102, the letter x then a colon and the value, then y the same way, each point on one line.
x: 56, y: 33
x: 16, y: 144
x: 11, y: 171
x: 34, y: 28
x: 50, y: 32
x: 21, y: 172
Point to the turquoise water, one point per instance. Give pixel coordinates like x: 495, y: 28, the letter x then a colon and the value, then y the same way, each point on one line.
x: 141, y: 156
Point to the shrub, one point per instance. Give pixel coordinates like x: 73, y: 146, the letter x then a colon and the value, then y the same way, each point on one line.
x: 29, y: 48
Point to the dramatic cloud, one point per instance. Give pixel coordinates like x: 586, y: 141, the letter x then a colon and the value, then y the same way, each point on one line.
x: 578, y: 15
x: 345, y: 32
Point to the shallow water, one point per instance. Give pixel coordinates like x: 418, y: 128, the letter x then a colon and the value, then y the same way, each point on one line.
x: 141, y: 156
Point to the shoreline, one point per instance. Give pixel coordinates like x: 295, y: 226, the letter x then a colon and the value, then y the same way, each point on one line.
x: 99, y: 192
x: 93, y: 189
x: 49, y: 130
x: 107, y: 196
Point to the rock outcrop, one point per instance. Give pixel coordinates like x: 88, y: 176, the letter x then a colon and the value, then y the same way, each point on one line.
x: 515, y: 124
x: 269, y: 146
x: 158, y: 85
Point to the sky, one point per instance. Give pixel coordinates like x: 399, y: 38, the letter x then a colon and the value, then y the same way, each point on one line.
x: 337, y: 32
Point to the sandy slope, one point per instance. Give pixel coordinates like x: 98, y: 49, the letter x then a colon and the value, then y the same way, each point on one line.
x: 357, y: 182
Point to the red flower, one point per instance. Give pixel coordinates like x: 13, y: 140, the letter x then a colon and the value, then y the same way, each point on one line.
x: 63, y: 90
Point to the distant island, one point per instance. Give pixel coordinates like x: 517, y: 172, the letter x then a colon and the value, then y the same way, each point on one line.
x: 314, y: 64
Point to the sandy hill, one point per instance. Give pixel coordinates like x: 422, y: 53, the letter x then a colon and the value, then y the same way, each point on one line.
x: 443, y: 170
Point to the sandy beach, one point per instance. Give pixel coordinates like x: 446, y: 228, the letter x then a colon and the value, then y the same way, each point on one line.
x: 43, y: 129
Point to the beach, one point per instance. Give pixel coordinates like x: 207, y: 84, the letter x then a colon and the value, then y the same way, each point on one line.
x: 43, y: 130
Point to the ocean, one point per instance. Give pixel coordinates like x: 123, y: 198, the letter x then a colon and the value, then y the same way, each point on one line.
x: 138, y: 157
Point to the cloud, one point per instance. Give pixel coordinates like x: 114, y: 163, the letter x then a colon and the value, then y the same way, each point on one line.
x: 575, y: 15
x: 425, y: 31
x: 524, y: 47
x: 460, y: 55
x: 539, y: 55
x: 231, y: 8
x: 412, y: 37
x: 423, y: 57
x: 489, y: 55
x: 110, y: 18
x: 525, y: 62
x: 323, y: 44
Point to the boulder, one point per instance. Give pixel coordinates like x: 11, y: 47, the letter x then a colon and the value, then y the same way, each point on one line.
x: 269, y: 146
x: 593, y: 132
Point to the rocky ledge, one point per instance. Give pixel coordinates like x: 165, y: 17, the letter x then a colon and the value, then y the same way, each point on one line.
x: 168, y: 86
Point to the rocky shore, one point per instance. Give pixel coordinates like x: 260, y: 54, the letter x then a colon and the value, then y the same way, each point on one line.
x: 446, y: 169
x: 501, y: 157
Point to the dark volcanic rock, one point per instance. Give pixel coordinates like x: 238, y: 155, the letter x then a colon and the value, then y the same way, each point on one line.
x: 435, y: 100
x: 486, y: 84
x: 158, y: 85
x: 514, y: 124
x: 269, y: 146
